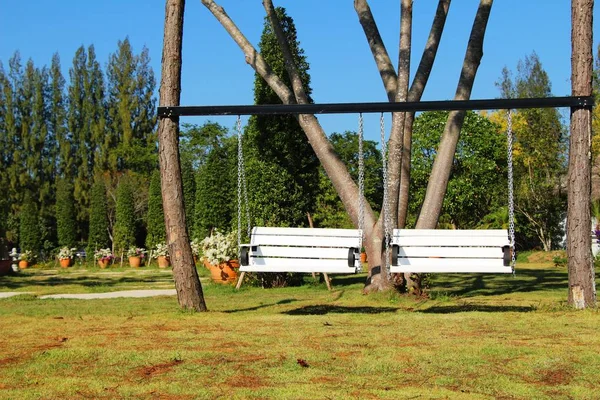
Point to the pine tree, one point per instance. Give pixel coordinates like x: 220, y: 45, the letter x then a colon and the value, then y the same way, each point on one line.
x: 29, y: 232
x: 66, y: 223
x: 279, y: 139
x: 124, y: 230
x: 131, y: 110
x: 156, y: 218
x: 98, y: 237
x: 58, y: 119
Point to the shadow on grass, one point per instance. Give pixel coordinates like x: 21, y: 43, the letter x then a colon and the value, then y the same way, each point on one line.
x: 525, y: 280
x: 475, y: 307
x: 330, y: 309
x: 284, y: 301
x: 16, y: 281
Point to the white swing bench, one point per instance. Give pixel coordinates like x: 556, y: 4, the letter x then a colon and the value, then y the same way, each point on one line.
x: 302, y: 250
x: 450, y: 251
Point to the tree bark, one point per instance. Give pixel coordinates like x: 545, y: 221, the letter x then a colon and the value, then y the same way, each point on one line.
x: 187, y: 283
x: 416, y: 92
x: 582, y: 290
x: 440, y: 174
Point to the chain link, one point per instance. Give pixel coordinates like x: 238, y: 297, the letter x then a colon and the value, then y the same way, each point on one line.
x: 361, y: 179
x: 242, y: 187
x: 511, y: 200
x: 386, y: 200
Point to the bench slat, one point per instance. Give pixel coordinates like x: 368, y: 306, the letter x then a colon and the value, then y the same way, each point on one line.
x: 456, y: 269
x: 297, y: 265
x: 261, y: 230
x: 451, y: 252
x: 450, y: 232
x: 304, y: 241
x: 300, y: 252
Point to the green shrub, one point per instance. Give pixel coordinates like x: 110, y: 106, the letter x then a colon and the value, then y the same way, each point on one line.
x: 98, y: 236
x: 124, y: 231
x: 155, y: 219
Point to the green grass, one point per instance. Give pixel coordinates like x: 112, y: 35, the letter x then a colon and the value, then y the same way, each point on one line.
x: 476, y: 337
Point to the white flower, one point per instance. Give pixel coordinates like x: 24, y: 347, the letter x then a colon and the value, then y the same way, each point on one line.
x: 219, y: 248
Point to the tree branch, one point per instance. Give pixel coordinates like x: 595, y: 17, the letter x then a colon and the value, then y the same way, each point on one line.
x: 440, y: 174
x: 380, y: 54
x: 290, y: 66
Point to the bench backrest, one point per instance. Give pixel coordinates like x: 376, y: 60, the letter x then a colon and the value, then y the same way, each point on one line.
x: 445, y: 250
x: 303, y: 250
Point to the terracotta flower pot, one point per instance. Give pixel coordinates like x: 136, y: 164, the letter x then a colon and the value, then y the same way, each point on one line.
x: 225, y: 273
x: 135, y: 261
x: 65, y: 262
x: 103, y: 263
x: 23, y: 264
x: 363, y: 257
x: 163, y: 262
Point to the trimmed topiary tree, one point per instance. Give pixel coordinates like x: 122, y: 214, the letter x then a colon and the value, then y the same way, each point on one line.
x: 98, y: 237
x: 29, y: 229
x: 66, y: 225
x: 156, y: 218
x: 124, y: 230
x: 189, y: 191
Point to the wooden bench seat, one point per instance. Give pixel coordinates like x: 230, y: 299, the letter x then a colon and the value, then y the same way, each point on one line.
x: 452, y: 251
x: 302, y: 250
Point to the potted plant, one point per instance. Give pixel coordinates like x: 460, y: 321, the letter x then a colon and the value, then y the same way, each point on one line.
x: 363, y: 255
x: 104, y: 257
x: 65, y: 255
x: 220, y: 254
x: 161, y: 253
x: 136, y: 255
x: 25, y: 258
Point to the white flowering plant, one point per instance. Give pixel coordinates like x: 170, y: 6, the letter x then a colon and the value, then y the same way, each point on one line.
x: 196, y: 247
x: 219, y: 248
x: 103, y: 255
x: 27, y: 255
x: 160, y: 250
x: 136, y: 252
x: 66, y: 252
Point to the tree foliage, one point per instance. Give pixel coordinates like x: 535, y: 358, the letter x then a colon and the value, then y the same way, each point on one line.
x: 66, y: 223
x: 29, y: 232
x: 539, y: 156
x: 155, y: 220
x: 99, y: 235
x: 478, y: 180
x: 125, y: 228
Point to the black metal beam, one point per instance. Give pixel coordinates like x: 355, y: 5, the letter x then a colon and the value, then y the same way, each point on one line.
x: 355, y: 108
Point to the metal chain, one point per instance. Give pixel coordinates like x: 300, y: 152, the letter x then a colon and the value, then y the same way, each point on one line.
x: 241, y: 185
x: 361, y: 179
x: 511, y: 200
x: 386, y: 200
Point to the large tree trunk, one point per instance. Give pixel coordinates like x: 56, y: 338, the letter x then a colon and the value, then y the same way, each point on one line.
x: 582, y: 290
x: 442, y: 166
x: 187, y: 283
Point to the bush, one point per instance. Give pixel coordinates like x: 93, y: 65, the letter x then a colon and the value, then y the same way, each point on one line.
x: 66, y: 225
x: 124, y: 232
x: 98, y: 236
x: 29, y: 229
x: 155, y: 219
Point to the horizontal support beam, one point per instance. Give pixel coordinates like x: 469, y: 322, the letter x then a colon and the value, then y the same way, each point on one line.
x: 384, y: 107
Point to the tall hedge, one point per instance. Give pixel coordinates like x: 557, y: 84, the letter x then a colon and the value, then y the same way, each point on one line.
x: 124, y: 230
x: 29, y: 229
x: 66, y: 225
x: 98, y: 237
x: 155, y: 219
x: 189, y: 191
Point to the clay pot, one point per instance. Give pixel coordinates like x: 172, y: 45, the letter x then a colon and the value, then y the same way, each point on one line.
x: 225, y: 273
x: 163, y: 262
x: 135, y: 262
x: 363, y: 257
x: 103, y: 263
x: 23, y: 264
x: 65, y: 262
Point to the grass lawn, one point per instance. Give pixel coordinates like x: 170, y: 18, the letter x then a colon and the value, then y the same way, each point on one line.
x: 476, y: 337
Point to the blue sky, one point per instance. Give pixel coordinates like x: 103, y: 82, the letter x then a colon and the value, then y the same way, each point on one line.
x: 342, y: 69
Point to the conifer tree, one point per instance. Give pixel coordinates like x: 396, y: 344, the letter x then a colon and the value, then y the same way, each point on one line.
x: 124, y: 230
x: 156, y: 218
x: 189, y: 191
x: 65, y: 214
x: 98, y: 237
x: 29, y: 232
x: 279, y: 140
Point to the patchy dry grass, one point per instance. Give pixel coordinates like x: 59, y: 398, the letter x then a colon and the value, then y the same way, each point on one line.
x: 477, y: 337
